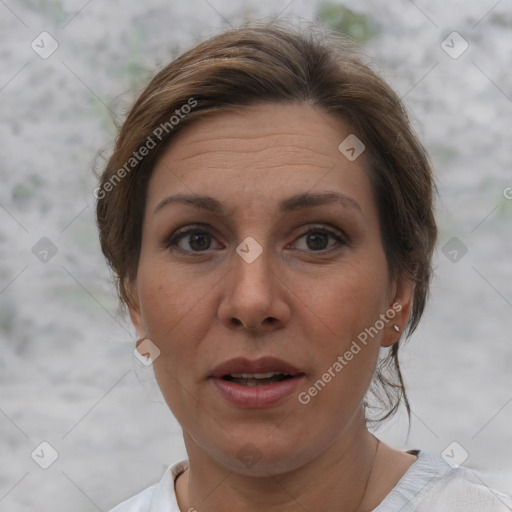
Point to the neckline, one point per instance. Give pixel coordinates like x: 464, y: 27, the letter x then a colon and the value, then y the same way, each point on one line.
x: 178, y: 468
x: 404, y: 490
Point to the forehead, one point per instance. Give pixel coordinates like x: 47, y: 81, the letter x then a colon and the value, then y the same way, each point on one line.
x: 260, y: 152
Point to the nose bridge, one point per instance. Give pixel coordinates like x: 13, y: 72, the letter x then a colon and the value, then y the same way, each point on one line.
x: 251, y: 266
x: 249, y: 297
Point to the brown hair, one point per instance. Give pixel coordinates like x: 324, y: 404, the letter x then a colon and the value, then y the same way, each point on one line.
x: 271, y: 63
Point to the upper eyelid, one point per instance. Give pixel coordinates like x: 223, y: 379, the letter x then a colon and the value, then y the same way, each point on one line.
x: 205, y: 228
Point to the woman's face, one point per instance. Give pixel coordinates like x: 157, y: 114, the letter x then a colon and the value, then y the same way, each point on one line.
x: 278, y: 266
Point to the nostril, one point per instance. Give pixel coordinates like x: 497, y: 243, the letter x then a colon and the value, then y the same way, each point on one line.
x: 268, y: 321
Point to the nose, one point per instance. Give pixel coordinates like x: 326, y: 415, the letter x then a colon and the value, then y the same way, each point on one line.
x: 255, y: 296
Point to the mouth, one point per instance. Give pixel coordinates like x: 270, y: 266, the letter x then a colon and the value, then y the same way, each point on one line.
x: 260, y: 383
x: 256, y: 379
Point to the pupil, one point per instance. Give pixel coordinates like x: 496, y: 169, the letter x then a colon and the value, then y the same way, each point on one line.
x: 198, y: 238
x: 315, y: 238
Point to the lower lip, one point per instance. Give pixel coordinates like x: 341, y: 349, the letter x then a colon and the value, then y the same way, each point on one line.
x: 257, y: 396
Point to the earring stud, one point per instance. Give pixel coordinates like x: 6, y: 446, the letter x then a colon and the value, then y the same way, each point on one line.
x: 397, y: 329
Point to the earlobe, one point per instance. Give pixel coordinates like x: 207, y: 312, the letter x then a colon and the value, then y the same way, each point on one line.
x: 137, y: 322
x: 135, y: 312
x: 399, y: 311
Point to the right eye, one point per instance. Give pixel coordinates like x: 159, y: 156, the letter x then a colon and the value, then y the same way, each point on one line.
x: 189, y: 240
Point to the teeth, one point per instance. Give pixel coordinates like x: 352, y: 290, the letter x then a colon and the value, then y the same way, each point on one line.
x: 256, y: 375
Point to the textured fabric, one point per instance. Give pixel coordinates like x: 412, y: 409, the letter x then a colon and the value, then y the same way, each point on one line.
x: 430, y: 484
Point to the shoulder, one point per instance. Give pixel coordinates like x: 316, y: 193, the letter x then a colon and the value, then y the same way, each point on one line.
x: 464, y: 490
x: 158, y: 497
x: 432, y: 484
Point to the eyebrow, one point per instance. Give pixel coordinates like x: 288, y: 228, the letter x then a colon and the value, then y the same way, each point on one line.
x: 291, y: 204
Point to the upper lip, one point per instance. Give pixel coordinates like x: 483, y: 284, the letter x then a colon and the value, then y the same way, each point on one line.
x: 261, y: 365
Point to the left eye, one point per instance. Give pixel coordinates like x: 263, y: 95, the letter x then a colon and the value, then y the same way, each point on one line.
x: 317, y: 239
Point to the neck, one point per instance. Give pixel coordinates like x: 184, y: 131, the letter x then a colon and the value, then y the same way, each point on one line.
x: 336, y: 479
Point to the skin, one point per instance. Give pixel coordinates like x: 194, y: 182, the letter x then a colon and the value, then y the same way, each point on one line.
x: 300, y: 302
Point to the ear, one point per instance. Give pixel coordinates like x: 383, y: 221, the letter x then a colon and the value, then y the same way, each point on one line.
x: 399, y: 310
x: 135, y: 310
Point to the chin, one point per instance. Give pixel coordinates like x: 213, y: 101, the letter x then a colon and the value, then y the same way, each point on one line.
x: 263, y: 456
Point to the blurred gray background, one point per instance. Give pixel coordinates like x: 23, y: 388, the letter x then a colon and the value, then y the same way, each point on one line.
x: 68, y: 374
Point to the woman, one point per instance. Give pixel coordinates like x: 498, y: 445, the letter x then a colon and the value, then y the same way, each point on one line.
x: 268, y: 212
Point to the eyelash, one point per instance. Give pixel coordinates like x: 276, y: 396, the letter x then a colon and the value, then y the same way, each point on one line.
x: 172, y: 241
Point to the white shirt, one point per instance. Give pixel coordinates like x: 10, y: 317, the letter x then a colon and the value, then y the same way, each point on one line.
x: 429, y: 484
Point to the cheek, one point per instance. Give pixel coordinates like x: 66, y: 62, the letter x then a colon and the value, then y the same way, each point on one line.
x: 354, y: 297
x: 348, y: 346
x: 169, y: 304
x: 177, y: 314
x: 344, y: 365
x: 168, y: 298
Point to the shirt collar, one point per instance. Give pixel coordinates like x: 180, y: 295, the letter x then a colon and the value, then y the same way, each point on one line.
x: 164, y: 497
